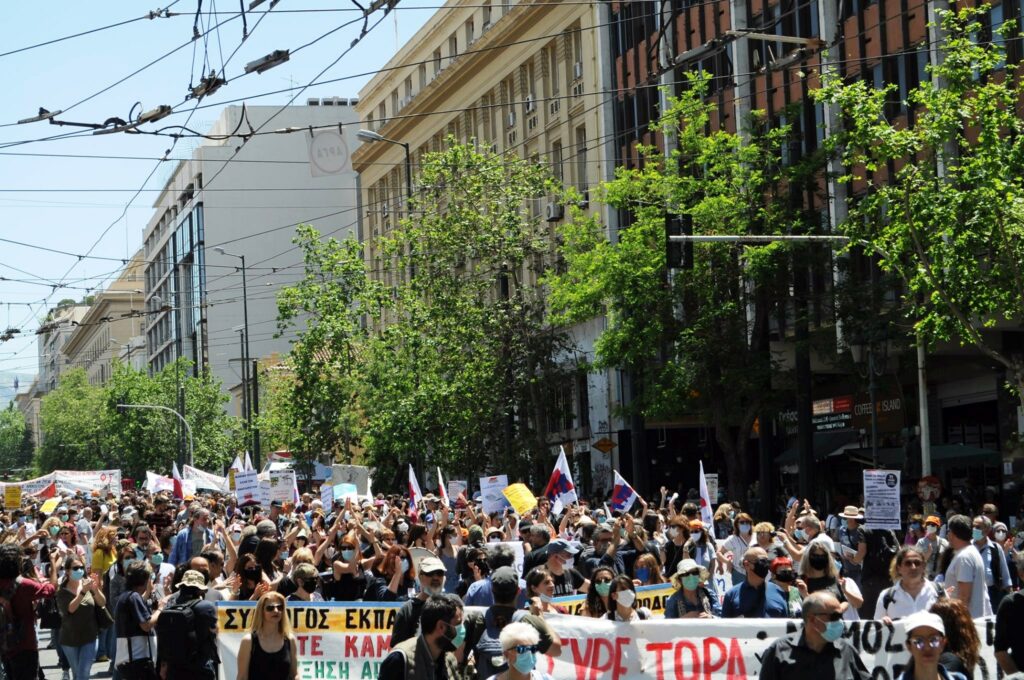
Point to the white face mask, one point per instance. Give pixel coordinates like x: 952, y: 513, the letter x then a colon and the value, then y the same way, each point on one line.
x: 494, y: 539
x: 1000, y: 535
x: 569, y: 563
x: 402, y: 528
x: 625, y: 597
x: 931, y: 529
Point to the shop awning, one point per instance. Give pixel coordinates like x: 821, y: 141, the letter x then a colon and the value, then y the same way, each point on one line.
x: 953, y: 453
x: 825, y: 444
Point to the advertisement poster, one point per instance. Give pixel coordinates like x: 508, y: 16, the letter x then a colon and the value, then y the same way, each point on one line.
x: 882, y: 499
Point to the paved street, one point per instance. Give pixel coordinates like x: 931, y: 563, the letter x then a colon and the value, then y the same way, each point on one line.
x: 48, y: 660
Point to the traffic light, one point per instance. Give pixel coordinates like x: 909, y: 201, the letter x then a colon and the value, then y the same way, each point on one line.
x: 678, y: 255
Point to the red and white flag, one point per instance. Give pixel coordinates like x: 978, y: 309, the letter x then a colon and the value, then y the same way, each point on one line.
x: 415, y: 495
x: 236, y: 464
x: 179, y: 493
x: 560, y: 490
x: 441, y: 488
x: 623, y: 495
x: 248, y: 463
x: 705, y: 499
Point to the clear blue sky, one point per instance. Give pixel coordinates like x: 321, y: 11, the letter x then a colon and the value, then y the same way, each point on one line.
x: 84, y: 197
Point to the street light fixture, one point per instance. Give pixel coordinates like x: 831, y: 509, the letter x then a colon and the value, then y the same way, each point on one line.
x: 254, y: 444
x: 371, y: 136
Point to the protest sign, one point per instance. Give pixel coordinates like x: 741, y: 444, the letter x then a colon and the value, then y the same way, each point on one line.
x: 349, y: 640
x: 247, y: 487
x: 521, y: 498
x: 282, y: 485
x: 49, y: 506
x: 491, y: 493
x: 12, y: 497
x: 156, y: 483
x: 204, y: 480
x: 352, y: 474
x: 231, y: 479
x: 712, y: 480
x: 457, y: 486
x: 882, y: 499
x: 327, y: 496
x: 343, y: 491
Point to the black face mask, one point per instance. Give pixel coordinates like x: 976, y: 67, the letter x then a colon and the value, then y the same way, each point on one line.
x: 253, y: 574
x: 447, y: 641
x: 785, y: 576
x: 818, y: 561
x: 760, y: 567
x: 309, y: 585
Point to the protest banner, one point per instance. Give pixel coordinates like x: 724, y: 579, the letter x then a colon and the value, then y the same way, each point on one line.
x: 521, y: 498
x: 326, y: 496
x: 71, y: 481
x: 456, y: 487
x: 282, y: 485
x: 491, y: 493
x: 338, y: 640
x: 12, y: 497
x: 652, y: 597
x: 155, y: 482
x: 343, y: 491
x: 882, y: 499
x: 352, y: 474
x: 204, y: 480
x: 247, y: 487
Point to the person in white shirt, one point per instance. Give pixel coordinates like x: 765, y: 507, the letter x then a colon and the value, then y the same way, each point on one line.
x: 912, y: 592
x: 964, y: 578
x: 931, y: 545
x: 732, y: 549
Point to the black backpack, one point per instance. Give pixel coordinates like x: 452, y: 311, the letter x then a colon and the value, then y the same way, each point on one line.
x: 176, y: 638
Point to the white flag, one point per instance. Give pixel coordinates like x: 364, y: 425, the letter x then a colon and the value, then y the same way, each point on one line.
x: 705, y: 500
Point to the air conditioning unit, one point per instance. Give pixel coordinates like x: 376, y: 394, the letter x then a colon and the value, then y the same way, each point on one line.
x: 553, y: 212
x: 530, y: 104
x: 511, y: 119
x: 405, y: 102
x: 577, y: 70
x: 485, y: 26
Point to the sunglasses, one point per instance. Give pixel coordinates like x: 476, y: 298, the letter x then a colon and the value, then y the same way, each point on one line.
x: 274, y: 607
x: 831, y: 616
x: 523, y: 649
x: 919, y: 643
x: 690, y: 573
x: 913, y: 563
x: 603, y: 580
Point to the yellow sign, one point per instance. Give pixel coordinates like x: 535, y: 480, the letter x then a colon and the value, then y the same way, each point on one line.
x: 231, y: 479
x: 351, y: 618
x: 604, y: 445
x: 49, y: 506
x: 651, y: 597
x: 12, y: 497
x: 521, y: 498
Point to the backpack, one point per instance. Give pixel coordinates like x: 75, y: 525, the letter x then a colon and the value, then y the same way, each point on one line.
x: 882, y: 548
x: 176, y: 634
x: 10, y: 628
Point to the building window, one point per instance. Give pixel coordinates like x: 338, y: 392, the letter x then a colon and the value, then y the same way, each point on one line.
x: 556, y: 161
x: 470, y: 33
x: 486, y: 15
x: 582, y: 182
x: 554, y: 82
x: 382, y: 114
x: 437, y: 62
x: 453, y: 46
x: 423, y: 75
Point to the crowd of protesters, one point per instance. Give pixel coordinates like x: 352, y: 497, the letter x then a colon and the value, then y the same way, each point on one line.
x: 122, y: 581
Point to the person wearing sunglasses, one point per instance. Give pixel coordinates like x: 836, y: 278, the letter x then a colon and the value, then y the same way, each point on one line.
x: 519, y: 645
x: 911, y: 592
x: 269, y: 651
x: 926, y: 639
x: 818, y: 651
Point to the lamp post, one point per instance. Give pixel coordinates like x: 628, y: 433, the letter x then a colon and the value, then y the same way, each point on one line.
x: 863, y: 352
x: 155, y: 407
x: 371, y: 136
x: 254, y: 443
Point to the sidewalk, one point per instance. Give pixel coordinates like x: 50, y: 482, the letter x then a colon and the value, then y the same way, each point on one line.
x: 50, y: 665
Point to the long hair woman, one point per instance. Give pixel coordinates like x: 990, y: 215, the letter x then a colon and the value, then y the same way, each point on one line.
x: 78, y: 599
x: 596, y: 604
x: 268, y: 651
x: 963, y: 647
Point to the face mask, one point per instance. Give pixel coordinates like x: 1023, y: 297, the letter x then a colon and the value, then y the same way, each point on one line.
x: 625, y: 597
x: 643, y: 573
x: 744, y: 528
x: 451, y: 518
x: 761, y: 567
x: 21, y: 521
x: 401, y: 527
x: 405, y: 565
x: 284, y: 554
x: 673, y: 532
x: 78, y: 574
x: 494, y: 539
x: 347, y: 554
x: 833, y: 631
x: 732, y: 515
x: 431, y: 590
x: 603, y: 589
x: 54, y: 531
x: 544, y: 597
x: 128, y: 561
x: 253, y: 573
x: 800, y: 534
x: 525, y: 662
x: 691, y: 582
x: 309, y: 585
x: 915, y: 526
x: 839, y: 566
x: 931, y: 530
x: 157, y: 559
x: 1000, y: 535
x: 460, y: 635
x: 236, y: 536
x: 785, y: 576
x: 63, y: 518
x: 570, y: 562
x: 818, y: 561
x: 977, y: 534
x: 330, y: 552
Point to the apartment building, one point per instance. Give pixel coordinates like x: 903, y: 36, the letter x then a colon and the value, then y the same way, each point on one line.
x: 54, y: 333
x: 112, y: 327
x: 247, y: 203
x: 518, y: 77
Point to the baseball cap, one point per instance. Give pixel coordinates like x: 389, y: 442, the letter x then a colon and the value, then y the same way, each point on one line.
x: 923, y: 620
x: 431, y: 565
x: 558, y: 545
x: 932, y: 519
x: 504, y: 583
x: 193, y: 579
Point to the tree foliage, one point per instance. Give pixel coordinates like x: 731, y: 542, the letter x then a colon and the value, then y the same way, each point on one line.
x: 15, y: 439
x: 943, y: 191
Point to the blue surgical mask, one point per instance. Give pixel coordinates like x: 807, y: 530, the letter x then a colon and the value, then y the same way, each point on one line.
x: 691, y: 582
x: 78, y: 574
x: 545, y: 597
x: 405, y: 565
x: 744, y: 527
x: 348, y: 554
x: 525, y: 662
x: 977, y: 534
x: 833, y: 631
x: 643, y: 573
x: 157, y: 559
x: 603, y: 589
x: 460, y: 634
x: 915, y: 526
x: 800, y: 534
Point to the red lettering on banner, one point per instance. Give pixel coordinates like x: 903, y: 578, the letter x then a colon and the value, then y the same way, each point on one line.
x: 597, y: 663
x: 580, y: 661
x: 709, y: 665
x: 618, y: 670
x: 657, y: 648
x: 737, y: 669
x: 694, y: 656
x: 383, y: 646
x: 350, y: 646
x: 367, y: 647
x: 309, y: 645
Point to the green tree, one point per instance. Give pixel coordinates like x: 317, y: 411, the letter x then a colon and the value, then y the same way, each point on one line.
x: 72, y: 419
x: 939, y: 195
x: 15, y: 439
x: 314, y: 408
x: 695, y: 341
x: 462, y: 370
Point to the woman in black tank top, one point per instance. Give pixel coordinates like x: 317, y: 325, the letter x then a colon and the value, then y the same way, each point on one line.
x: 268, y: 651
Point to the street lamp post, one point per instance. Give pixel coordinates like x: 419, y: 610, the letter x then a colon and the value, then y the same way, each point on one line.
x: 155, y: 407
x: 254, y: 442
x: 371, y: 136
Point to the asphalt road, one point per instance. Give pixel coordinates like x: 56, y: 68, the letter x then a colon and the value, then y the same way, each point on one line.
x: 51, y: 667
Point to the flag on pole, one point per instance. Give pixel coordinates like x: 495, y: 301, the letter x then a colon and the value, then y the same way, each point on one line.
x: 415, y: 495
x: 623, y: 495
x: 248, y: 463
x: 705, y: 499
x: 179, y: 492
x: 441, y: 488
x: 560, y: 490
x: 236, y: 464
